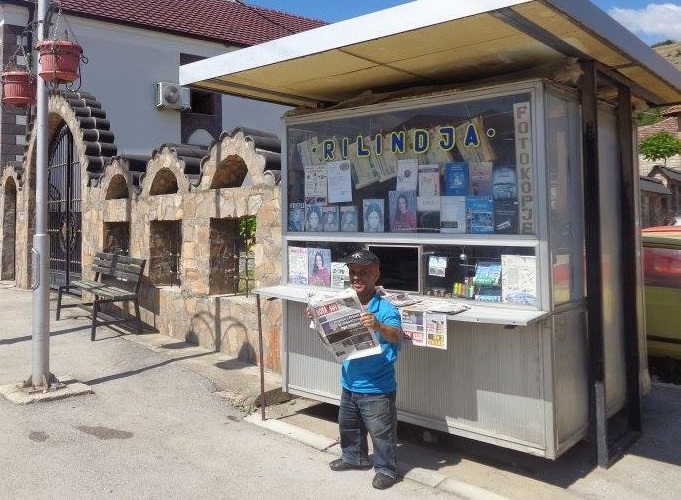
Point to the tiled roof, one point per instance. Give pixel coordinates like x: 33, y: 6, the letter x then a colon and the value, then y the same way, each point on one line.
x: 668, y: 124
x: 670, y: 173
x: 653, y: 186
x: 225, y: 21
x: 672, y: 110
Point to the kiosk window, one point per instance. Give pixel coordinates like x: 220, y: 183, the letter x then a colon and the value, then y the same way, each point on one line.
x: 447, y: 168
x: 399, y: 267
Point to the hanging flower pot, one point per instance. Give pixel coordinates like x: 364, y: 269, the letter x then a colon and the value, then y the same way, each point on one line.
x: 18, y: 88
x: 60, y: 60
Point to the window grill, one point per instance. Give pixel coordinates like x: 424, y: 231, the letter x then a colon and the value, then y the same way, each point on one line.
x: 165, y: 253
x: 232, y: 266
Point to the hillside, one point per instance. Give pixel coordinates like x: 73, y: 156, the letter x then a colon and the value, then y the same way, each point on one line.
x: 671, y: 53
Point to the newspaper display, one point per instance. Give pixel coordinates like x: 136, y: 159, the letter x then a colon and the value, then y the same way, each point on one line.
x: 519, y: 279
x: 424, y: 321
x: 337, y: 320
x: 436, y: 330
x: 340, y: 275
x: 412, y: 326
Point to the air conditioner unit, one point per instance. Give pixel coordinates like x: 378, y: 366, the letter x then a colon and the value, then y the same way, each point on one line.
x: 171, y: 96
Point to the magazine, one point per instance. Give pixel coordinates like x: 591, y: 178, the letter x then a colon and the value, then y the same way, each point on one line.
x: 296, y: 217
x: 428, y: 213
x: 402, y: 211
x: 319, y: 266
x: 480, y: 214
x: 315, y: 181
x: 505, y: 216
x: 297, y: 265
x: 329, y: 218
x: 407, y: 175
x: 348, y: 218
x: 337, y: 321
x: 339, y: 181
x: 455, y: 179
x: 480, y: 178
x: 453, y: 214
x: 372, y: 215
x: 429, y: 180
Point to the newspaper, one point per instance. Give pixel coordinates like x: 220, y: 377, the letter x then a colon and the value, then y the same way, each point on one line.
x: 413, y: 303
x: 337, y: 320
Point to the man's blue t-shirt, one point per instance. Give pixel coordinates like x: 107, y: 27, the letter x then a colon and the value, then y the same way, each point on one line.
x: 375, y: 374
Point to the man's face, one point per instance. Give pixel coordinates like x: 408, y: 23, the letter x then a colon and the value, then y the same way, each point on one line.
x: 363, y: 277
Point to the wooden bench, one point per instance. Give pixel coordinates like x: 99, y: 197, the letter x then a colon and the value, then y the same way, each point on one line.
x: 117, y: 279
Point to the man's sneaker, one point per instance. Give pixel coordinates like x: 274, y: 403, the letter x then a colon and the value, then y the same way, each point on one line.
x: 383, y: 481
x: 338, y: 465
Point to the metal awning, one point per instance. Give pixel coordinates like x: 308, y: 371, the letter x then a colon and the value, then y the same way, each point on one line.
x: 436, y: 42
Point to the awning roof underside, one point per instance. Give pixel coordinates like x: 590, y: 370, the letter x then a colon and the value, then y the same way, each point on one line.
x: 437, y: 43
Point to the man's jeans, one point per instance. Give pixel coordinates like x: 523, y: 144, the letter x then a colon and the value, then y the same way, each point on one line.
x: 377, y: 414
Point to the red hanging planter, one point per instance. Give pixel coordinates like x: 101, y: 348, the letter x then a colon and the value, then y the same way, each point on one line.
x: 18, y: 88
x: 59, y: 60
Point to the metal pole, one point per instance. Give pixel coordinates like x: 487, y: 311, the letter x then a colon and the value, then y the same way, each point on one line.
x: 40, y: 377
x: 261, y: 351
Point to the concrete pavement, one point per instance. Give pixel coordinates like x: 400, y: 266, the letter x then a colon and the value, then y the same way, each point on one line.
x: 167, y: 420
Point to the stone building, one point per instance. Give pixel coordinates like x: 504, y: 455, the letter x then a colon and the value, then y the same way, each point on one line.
x: 168, y: 184
x: 670, y: 178
x: 655, y: 202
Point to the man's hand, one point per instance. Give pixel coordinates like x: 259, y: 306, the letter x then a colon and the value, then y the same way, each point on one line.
x: 389, y: 333
x: 369, y: 320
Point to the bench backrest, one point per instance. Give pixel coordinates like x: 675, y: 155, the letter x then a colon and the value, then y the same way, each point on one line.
x: 121, y: 270
x: 128, y: 269
x: 103, y: 264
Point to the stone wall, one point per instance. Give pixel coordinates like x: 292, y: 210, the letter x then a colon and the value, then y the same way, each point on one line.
x: 189, y: 311
x: 232, y: 183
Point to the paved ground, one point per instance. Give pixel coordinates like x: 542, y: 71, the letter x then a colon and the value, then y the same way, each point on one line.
x: 166, y: 420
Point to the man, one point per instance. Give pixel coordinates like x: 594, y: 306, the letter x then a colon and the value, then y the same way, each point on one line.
x: 369, y: 386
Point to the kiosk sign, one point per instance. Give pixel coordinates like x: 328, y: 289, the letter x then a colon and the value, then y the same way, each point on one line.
x: 523, y: 152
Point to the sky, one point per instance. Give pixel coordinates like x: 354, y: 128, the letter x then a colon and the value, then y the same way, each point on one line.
x: 652, y: 22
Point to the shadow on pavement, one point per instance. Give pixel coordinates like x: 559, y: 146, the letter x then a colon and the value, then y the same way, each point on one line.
x: 130, y: 373
x: 26, y: 338
x: 434, y: 450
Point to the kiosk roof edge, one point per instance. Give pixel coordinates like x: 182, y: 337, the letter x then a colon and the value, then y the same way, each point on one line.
x: 434, y: 42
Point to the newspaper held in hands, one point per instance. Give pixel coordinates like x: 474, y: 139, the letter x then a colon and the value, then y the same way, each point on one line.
x: 338, y: 324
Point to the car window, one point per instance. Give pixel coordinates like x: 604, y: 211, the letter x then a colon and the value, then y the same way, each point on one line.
x: 662, y: 267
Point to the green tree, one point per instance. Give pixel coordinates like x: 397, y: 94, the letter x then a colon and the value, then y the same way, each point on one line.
x: 660, y: 146
x: 648, y: 117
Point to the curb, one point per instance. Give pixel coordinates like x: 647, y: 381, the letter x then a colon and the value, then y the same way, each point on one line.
x: 422, y: 476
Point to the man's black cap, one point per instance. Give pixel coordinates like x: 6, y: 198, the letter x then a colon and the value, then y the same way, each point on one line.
x: 363, y: 258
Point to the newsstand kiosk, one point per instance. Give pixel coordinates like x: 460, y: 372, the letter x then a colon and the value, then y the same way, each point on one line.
x: 492, y: 166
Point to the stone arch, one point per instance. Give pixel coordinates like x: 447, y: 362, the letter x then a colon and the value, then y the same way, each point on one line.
x: 231, y: 172
x: 164, y: 182
x: 165, y: 173
x: 9, y: 230
x: 228, y: 156
x: 117, y: 188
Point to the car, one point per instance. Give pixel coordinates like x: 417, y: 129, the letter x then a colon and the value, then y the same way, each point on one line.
x: 662, y: 283
x: 677, y: 221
